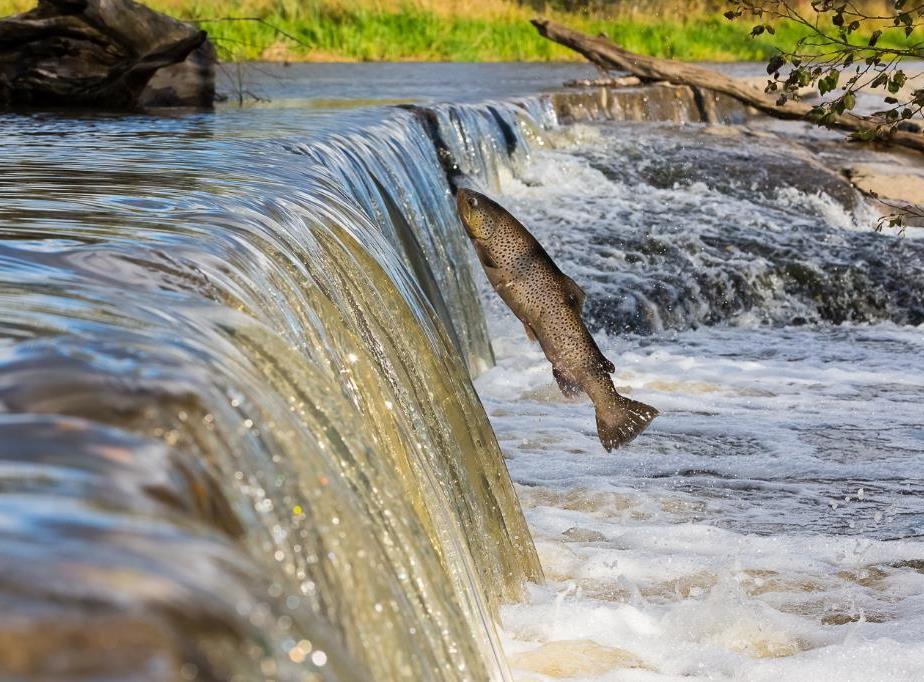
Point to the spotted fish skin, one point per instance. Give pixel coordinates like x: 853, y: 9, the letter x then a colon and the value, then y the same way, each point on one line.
x: 549, y: 304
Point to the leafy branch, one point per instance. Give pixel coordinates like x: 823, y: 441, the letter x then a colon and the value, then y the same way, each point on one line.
x: 238, y: 77
x: 842, y: 53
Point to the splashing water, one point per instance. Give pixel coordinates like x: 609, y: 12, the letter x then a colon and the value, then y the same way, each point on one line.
x: 768, y: 524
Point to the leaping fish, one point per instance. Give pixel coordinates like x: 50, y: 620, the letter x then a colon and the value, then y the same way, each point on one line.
x: 549, y: 304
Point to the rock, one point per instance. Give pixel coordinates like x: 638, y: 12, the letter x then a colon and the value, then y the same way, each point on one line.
x: 102, y: 54
x: 576, y: 658
x: 891, y: 183
x: 888, y: 180
x: 620, y: 82
x: 576, y: 534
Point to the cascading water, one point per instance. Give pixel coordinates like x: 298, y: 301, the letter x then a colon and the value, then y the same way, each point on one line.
x: 240, y: 431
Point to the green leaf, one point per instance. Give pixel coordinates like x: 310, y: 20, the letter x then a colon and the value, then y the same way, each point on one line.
x: 776, y: 62
x: 829, y: 82
x: 863, y: 135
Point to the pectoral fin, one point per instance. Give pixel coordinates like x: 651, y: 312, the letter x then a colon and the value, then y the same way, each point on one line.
x: 484, y: 256
x: 602, y: 360
x: 530, y: 334
x: 576, y: 294
x: 569, y: 388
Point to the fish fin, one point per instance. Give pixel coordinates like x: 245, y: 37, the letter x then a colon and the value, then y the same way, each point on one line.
x: 530, y: 334
x: 484, y: 256
x: 569, y: 388
x: 602, y: 360
x: 576, y: 294
x: 621, y: 422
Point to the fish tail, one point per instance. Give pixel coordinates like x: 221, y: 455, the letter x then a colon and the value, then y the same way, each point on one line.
x: 621, y: 420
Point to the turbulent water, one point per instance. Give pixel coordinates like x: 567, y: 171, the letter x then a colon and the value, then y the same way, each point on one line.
x: 769, y: 524
x: 240, y: 441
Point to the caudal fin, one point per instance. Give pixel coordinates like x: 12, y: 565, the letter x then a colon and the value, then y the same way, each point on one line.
x: 623, y: 421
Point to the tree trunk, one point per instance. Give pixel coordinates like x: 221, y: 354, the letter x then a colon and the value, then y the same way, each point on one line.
x: 607, y: 54
x: 88, y: 53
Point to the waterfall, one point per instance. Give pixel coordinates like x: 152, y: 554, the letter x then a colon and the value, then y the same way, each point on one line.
x: 240, y: 438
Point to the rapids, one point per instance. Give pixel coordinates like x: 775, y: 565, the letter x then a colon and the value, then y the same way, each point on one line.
x: 240, y: 438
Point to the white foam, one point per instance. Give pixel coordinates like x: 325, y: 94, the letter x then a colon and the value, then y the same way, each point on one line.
x: 732, y: 539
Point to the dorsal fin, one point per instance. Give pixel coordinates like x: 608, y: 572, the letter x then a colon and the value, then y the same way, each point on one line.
x: 575, y: 293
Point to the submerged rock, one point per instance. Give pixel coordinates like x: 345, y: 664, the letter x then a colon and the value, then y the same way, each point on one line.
x: 102, y: 54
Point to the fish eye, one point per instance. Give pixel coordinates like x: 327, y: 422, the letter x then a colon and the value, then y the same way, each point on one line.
x: 473, y: 202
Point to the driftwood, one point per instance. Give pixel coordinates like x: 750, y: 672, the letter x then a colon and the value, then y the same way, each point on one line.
x: 88, y: 53
x: 607, y: 55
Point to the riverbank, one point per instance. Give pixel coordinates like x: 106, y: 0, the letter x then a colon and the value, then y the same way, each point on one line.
x: 458, y: 30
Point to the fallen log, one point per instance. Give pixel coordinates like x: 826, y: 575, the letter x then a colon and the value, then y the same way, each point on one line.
x: 93, y: 53
x: 606, y: 54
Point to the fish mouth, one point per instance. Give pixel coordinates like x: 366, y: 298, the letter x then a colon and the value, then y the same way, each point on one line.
x: 461, y: 206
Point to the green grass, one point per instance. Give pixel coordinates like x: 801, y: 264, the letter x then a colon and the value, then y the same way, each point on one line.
x: 483, y: 30
x: 414, y: 34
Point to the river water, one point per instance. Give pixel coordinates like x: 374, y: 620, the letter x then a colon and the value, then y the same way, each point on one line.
x: 241, y: 442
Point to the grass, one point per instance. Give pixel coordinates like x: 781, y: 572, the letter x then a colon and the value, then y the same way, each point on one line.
x: 457, y: 30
